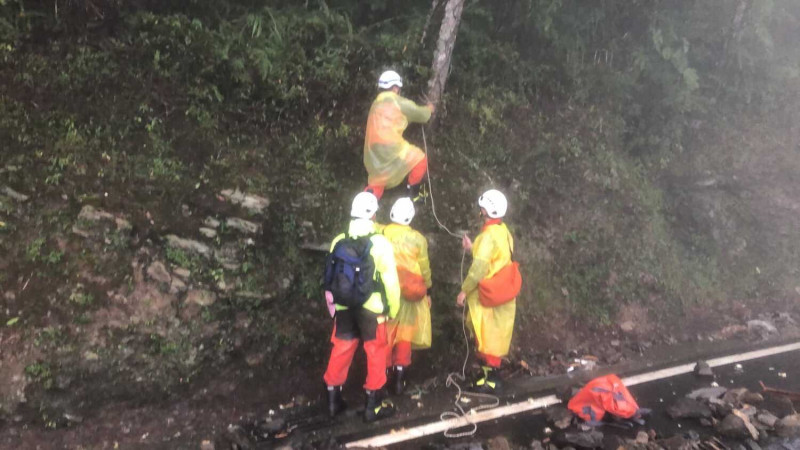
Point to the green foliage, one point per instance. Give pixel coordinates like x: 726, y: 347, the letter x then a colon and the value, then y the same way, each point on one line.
x: 40, y: 372
x: 79, y: 297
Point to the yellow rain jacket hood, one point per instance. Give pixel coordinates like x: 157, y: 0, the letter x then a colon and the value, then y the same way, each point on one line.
x: 387, y: 156
x: 383, y: 255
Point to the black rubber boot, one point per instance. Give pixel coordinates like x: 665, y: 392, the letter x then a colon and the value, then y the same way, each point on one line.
x: 335, y: 402
x: 416, y: 193
x: 377, y: 407
x: 399, y: 380
x: 488, y: 382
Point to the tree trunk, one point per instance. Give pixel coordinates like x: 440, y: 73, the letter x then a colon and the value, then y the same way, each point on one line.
x: 444, y: 49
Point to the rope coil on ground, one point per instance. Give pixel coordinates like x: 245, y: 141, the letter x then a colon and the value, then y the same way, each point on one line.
x: 454, y: 377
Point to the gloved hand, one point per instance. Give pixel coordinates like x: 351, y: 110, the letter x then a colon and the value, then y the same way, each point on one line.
x: 329, y: 301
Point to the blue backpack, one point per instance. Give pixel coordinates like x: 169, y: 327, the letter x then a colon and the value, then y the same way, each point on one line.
x: 349, y: 271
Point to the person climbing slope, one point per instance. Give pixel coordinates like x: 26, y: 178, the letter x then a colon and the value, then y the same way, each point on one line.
x: 412, y: 326
x: 490, y: 289
x: 362, y: 291
x: 388, y: 157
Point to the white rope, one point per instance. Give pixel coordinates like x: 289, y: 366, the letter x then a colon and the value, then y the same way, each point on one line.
x: 430, y: 189
x: 454, y: 377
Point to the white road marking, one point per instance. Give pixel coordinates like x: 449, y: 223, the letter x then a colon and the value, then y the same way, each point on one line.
x: 397, y: 436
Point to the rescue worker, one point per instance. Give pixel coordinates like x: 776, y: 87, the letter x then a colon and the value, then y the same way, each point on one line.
x: 412, y: 326
x: 492, y: 325
x: 388, y: 157
x: 366, y: 322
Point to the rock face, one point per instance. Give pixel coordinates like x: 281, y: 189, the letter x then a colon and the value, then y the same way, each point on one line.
x: 200, y: 297
x: 158, y: 272
x: 687, y: 408
x: 188, y: 245
x: 241, y: 225
x: 254, y: 203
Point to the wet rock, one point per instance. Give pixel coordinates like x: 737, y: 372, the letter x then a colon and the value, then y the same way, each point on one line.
x: 752, y: 398
x: 211, y: 222
x: 583, y: 439
x: 614, y: 442
x: 761, y: 326
x: 237, y: 438
x: 254, y: 359
x: 158, y: 272
x: 536, y: 445
x: 628, y: 326
x: 559, y: 416
x: 188, y: 245
x: 676, y: 443
x: 273, y: 426
x: 720, y: 408
x: 752, y: 445
x: 181, y: 272
x: 707, y: 393
x: 91, y: 214
x: 498, y: 443
x: 74, y: 418
x: 780, y: 406
x: 208, y: 232
x: 767, y: 418
x: 702, y: 369
x: 11, y: 193
x: 789, y: 426
x: 254, y: 203
x: 201, y: 297
x: 686, y: 408
x: 733, y: 426
x: 244, y: 226
x: 749, y: 411
x: 228, y: 256
x: 706, y: 422
x: 734, y: 396
x: 177, y: 286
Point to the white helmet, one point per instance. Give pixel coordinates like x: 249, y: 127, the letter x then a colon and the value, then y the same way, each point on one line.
x: 402, y: 211
x: 365, y: 205
x: 494, y: 202
x: 390, y: 78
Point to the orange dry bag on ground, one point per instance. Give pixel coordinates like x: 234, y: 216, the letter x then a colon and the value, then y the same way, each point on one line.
x: 603, y: 395
x: 412, y: 285
x: 502, y: 287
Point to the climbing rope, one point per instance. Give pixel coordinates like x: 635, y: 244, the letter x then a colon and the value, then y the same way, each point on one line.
x: 430, y: 191
x: 453, y: 378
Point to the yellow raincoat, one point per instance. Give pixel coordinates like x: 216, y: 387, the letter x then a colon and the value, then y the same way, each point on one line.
x: 387, y: 156
x: 383, y: 255
x: 413, y: 321
x: 493, y: 327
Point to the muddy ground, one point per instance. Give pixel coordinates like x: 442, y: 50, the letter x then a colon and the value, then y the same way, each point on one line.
x: 238, y: 395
